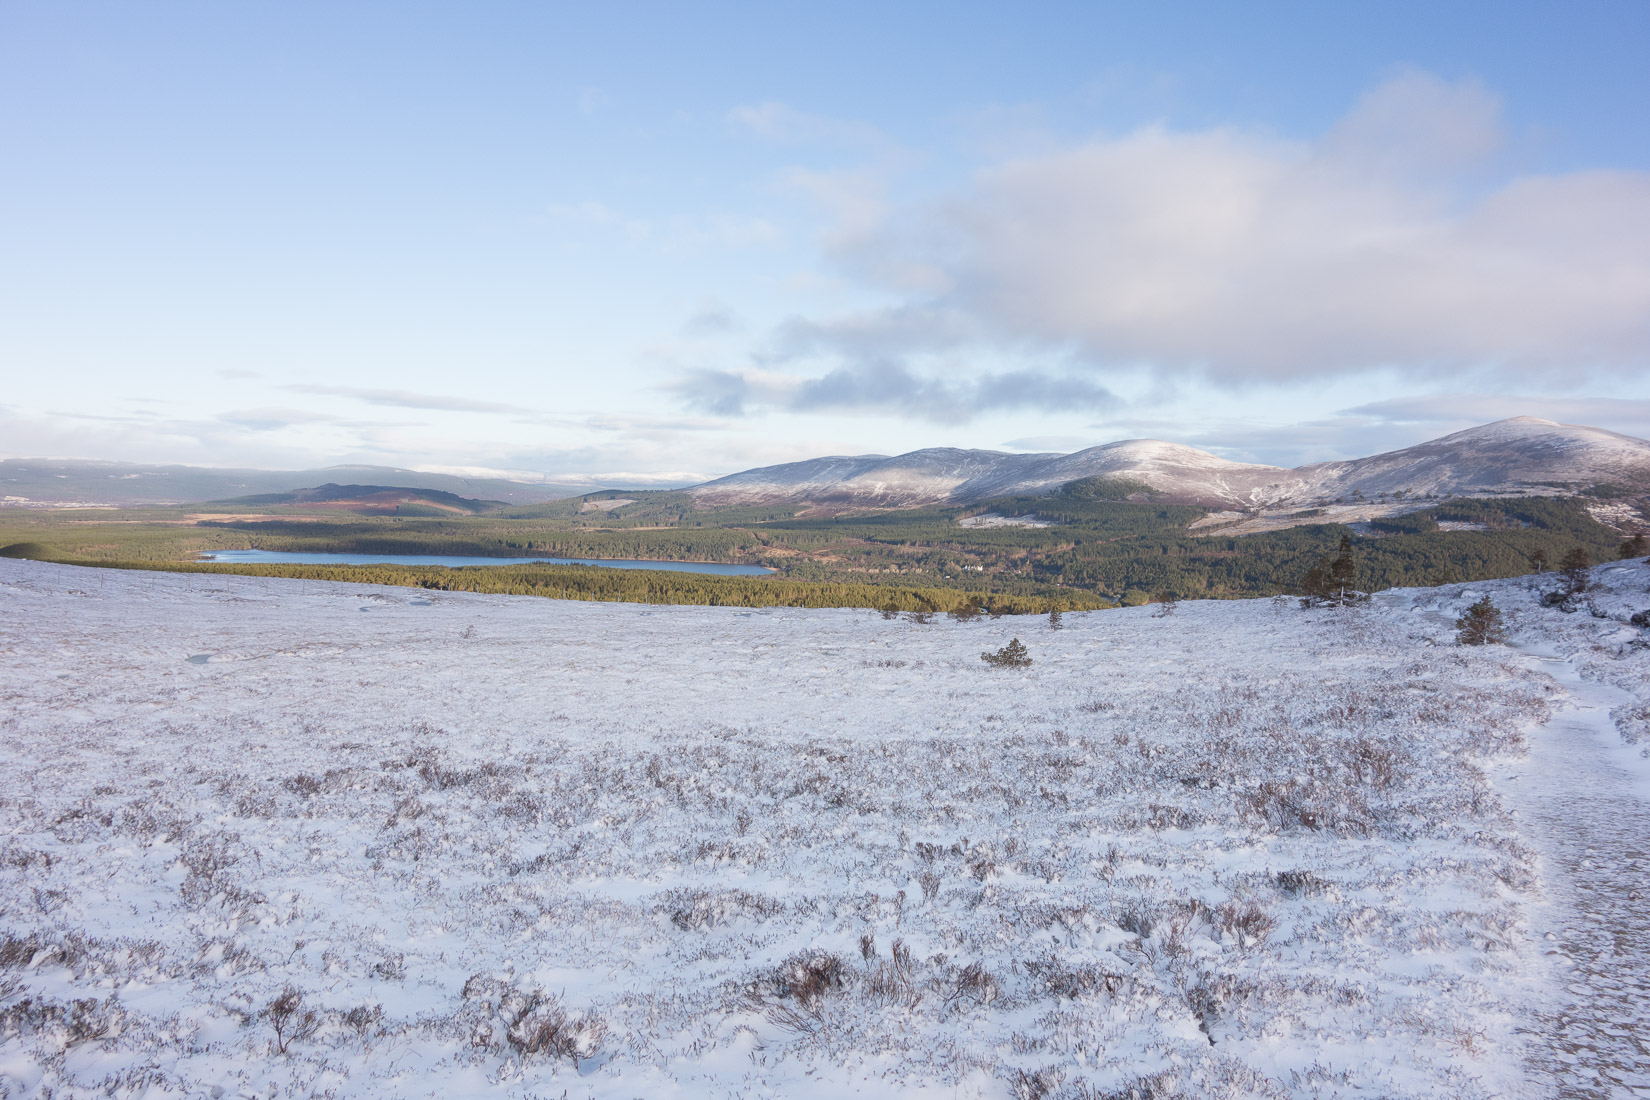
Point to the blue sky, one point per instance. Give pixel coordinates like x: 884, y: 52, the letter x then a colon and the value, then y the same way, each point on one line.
x: 634, y: 243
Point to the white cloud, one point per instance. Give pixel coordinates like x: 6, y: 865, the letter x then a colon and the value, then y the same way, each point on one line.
x: 601, y: 215
x: 859, y: 212
x: 272, y: 419
x: 204, y: 442
x: 1448, y: 411
x: 1249, y: 257
x: 1484, y: 406
x: 405, y: 399
x: 781, y: 122
x: 711, y: 319
x: 1418, y: 126
x: 1063, y: 443
x: 574, y: 482
x: 769, y: 120
x: 592, y: 101
x: 890, y: 390
x: 681, y: 232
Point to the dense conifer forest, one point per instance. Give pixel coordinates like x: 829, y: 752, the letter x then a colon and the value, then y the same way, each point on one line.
x: 1088, y: 550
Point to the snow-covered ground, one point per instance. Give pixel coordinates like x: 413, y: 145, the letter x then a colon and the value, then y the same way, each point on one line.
x: 440, y: 844
x: 992, y: 519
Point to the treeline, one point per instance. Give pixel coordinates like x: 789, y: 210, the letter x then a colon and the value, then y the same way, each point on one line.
x: 116, y: 537
x: 489, y: 538
x: 1121, y: 550
x: 575, y: 582
x: 1411, y: 551
x: 1071, y: 519
x: 129, y: 537
x: 649, y: 508
x: 1134, y: 551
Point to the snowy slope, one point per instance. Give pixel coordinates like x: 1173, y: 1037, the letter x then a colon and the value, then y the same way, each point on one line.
x: 958, y: 476
x: 509, y: 846
x: 920, y: 477
x: 1523, y: 453
x: 1520, y: 454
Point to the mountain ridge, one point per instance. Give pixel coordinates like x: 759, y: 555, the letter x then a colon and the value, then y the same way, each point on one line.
x: 1519, y: 454
x: 92, y: 483
x: 364, y: 500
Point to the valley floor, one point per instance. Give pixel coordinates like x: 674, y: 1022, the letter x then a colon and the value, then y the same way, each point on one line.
x: 266, y: 837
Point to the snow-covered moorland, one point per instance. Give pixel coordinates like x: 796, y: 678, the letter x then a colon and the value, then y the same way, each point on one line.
x: 292, y: 838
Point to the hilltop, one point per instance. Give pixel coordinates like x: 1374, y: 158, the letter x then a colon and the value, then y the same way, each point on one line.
x: 1522, y: 455
x: 363, y: 500
x: 59, y: 483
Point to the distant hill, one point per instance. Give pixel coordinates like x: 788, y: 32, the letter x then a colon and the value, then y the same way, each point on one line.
x: 128, y: 484
x: 363, y: 500
x: 1524, y: 454
x: 1521, y: 455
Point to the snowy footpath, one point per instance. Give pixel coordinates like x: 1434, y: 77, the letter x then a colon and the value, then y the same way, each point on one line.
x: 280, y: 838
x: 1585, y: 795
x: 1590, y: 821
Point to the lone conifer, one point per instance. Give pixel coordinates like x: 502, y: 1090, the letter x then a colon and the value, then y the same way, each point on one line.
x: 1575, y: 565
x: 1012, y: 655
x: 1333, y: 581
x: 1315, y: 585
x: 1343, y: 574
x: 1481, y: 625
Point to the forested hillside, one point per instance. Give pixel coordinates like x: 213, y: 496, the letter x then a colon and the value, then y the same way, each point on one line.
x: 1077, y: 545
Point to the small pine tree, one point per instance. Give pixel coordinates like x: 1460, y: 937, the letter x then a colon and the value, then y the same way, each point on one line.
x: 1167, y: 603
x: 1633, y: 547
x: 1481, y: 625
x: 967, y: 611
x: 1012, y: 655
x: 1575, y: 566
x: 1054, y: 622
x: 1539, y: 560
x: 1333, y: 581
x: 1342, y: 580
x: 1315, y: 585
x: 890, y: 610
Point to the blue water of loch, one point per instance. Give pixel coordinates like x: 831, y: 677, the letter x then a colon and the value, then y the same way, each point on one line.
x: 456, y: 560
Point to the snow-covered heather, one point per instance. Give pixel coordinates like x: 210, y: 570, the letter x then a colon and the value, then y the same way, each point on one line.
x: 450, y: 844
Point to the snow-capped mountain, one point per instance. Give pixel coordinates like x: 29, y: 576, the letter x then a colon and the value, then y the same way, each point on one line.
x: 950, y: 475
x: 1524, y: 453
x: 1521, y: 454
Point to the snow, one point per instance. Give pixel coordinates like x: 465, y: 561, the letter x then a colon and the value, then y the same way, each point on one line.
x: 1523, y: 431
x: 519, y: 847
x: 1522, y: 454
x: 1147, y: 454
x: 993, y: 519
x: 1589, y: 824
x: 1518, y: 455
x: 950, y: 474
x: 1583, y: 800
